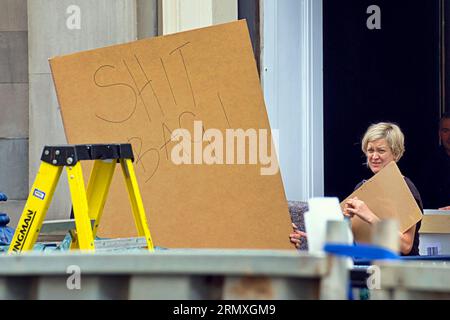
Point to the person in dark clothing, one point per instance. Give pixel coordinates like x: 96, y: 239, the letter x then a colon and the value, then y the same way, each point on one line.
x: 436, y: 173
x: 382, y: 143
x: 415, y: 248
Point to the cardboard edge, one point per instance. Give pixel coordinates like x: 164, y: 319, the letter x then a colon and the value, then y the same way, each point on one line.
x: 237, y: 22
x: 58, y: 99
x: 435, y: 224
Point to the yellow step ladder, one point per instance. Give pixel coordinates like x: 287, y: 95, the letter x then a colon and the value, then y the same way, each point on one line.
x: 87, y: 205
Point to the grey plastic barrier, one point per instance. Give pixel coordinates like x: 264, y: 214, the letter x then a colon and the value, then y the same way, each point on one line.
x: 411, y: 280
x: 167, y: 274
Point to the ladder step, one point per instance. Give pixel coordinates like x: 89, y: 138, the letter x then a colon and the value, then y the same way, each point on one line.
x: 121, y: 243
x: 53, y: 226
x: 69, y: 155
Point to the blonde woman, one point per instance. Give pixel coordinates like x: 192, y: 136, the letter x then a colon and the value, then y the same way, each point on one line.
x: 382, y: 143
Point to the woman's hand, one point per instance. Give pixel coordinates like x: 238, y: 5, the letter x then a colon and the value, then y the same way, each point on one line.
x: 445, y: 208
x: 359, y: 208
x: 297, y: 237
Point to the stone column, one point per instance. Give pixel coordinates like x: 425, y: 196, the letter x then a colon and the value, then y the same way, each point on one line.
x: 179, y: 15
x: 58, y: 27
x: 13, y: 106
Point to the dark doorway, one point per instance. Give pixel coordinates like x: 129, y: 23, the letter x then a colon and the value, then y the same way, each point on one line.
x: 249, y: 10
x: 445, y: 38
x: 388, y: 74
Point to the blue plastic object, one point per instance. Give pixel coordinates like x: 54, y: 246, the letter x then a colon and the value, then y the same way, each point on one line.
x: 361, y: 251
x: 6, y: 233
x: 3, y: 197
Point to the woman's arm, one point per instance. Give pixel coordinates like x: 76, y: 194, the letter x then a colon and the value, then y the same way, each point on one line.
x: 297, y: 237
x: 407, y: 240
x: 357, y: 207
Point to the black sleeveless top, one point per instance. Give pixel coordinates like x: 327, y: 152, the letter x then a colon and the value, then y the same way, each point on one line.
x: 415, y: 247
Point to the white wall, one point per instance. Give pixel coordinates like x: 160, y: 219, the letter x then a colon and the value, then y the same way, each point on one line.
x: 292, y: 83
x: 182, y: 15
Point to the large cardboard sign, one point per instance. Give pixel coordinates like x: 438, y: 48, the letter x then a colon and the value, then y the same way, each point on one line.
x: 388, y: 197
x: 192, y: 107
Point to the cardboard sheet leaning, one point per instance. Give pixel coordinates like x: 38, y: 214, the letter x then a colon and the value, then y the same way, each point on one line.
x: 389, y: 197
x: 198, y: 188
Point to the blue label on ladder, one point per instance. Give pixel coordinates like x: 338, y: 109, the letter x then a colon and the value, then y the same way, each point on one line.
x: 39, y: 194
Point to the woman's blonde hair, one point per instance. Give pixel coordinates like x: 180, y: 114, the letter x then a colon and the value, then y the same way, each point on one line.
x: 388, y: 131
